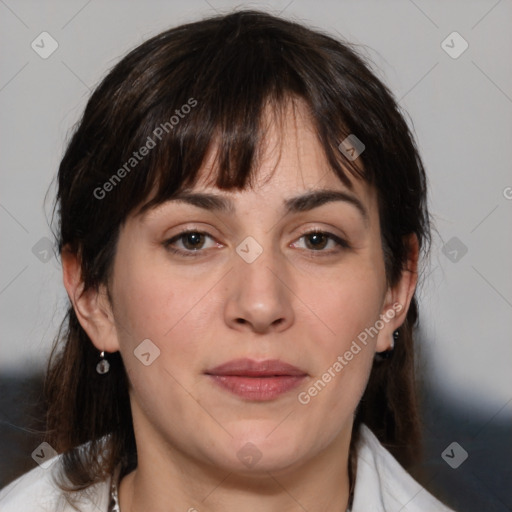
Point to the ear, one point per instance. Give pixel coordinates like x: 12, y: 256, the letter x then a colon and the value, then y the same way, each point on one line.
x: 398, y: 298
x: 92, y: 306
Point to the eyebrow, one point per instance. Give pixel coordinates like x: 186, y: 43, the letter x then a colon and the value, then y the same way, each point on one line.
x: 297, y: 204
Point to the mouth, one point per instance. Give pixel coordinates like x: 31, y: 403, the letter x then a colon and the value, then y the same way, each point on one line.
x: 257, y: 380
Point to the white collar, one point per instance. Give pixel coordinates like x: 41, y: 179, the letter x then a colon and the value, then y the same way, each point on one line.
x: 382, y: 484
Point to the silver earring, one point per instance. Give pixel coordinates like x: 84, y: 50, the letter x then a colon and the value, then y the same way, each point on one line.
x: 396, y: 334
x: 381, y: 356
x: 103, y: 366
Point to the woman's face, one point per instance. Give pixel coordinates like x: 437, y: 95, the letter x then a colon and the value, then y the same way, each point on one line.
x: 250, y: 284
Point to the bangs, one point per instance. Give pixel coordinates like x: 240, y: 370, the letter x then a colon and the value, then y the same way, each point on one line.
x: 214, y: 94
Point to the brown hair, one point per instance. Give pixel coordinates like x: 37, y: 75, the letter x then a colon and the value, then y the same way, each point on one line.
x: 226, y: 69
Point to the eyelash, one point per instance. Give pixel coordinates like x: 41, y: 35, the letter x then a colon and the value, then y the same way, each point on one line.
x: 342, y: 244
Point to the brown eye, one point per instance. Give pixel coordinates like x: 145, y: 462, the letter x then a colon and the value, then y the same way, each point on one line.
x: 192, y: 243
x: 318, y: 241
x: 192, y: 240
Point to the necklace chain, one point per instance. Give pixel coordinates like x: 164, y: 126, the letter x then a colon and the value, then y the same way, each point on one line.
x: 113, y: 505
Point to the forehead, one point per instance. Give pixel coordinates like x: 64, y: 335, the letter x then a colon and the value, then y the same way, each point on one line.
x: 289, y: 162
x: 290, y: 159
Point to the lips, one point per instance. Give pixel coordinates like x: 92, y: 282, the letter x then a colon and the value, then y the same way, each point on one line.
x: 251, y: 368
x: 257, y: 380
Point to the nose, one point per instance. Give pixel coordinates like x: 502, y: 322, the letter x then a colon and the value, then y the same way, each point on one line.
x: 259, y: 299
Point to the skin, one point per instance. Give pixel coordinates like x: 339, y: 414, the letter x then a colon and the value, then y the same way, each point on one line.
x: 295, y: 302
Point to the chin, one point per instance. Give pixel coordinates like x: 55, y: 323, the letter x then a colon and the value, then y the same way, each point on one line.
x: 263, y: 451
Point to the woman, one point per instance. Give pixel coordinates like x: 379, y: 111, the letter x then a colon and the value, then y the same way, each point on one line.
x: 242, y: 209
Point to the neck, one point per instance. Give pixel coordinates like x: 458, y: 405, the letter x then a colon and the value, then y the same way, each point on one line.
x: 175, y: 480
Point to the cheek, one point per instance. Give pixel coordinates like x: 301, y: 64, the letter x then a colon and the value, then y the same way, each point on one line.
x: 157, y: 315
x: 151, y: 298
x: 147, y: 306
x: 166, y: 308
x: 344, y: 305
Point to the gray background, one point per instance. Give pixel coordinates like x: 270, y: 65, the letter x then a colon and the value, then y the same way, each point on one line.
x: 460, y: 109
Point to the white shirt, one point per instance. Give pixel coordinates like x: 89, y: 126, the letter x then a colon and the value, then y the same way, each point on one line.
x: 382, y: 485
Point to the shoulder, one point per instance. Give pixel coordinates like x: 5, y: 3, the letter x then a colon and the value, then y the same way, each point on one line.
x: 38, y: 491
x: 382, y: 484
